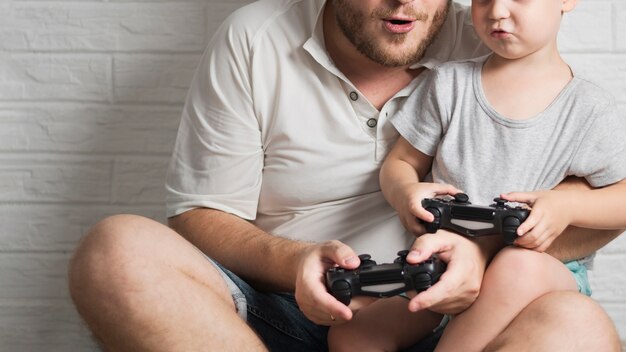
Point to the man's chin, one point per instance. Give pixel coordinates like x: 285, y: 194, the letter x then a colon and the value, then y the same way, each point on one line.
x: 396, y: 57
x: 396, y: 51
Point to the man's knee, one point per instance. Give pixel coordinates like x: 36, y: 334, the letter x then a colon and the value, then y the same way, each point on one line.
x: 559, y: 321
x: 128, y: 253
x: 107, y: 253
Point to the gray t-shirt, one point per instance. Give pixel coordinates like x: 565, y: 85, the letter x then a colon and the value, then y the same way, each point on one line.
x: 484, y: 153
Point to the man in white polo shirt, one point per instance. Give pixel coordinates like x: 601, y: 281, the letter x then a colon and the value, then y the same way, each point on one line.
x: 275, y: 177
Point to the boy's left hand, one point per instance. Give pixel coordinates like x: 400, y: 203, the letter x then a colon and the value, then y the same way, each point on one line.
x: 548, y: 218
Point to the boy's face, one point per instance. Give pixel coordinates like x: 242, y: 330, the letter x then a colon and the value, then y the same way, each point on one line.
x: 517, y: 28
x: 391, y: 33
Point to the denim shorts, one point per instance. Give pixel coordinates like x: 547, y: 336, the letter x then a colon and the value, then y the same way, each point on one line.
x: 279, y: 322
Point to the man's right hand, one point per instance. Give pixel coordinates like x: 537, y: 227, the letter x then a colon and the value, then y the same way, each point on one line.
x: 311, y: 294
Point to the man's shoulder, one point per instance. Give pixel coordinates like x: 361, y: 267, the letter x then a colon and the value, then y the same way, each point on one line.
x: 255, y: 18
x: 456, y: 40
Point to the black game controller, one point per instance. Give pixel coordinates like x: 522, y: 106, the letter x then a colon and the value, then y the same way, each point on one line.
x: 460, y: 215
x: 383, y: 280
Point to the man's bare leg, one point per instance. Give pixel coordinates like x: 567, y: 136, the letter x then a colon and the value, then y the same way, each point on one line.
x: 142, y: 287
x: 559, y: 321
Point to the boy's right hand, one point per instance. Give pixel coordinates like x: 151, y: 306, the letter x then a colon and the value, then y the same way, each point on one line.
x: 411, y: 211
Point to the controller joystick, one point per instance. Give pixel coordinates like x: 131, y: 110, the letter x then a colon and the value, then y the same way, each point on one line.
x: 402, y: 256
x: 499, y: 202
x: 461, y: 198
x: 366, y: 260
x: 471, y: 220
x: 383, y: 280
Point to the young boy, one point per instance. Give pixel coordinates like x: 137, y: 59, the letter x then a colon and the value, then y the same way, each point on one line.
x: 516, y: 120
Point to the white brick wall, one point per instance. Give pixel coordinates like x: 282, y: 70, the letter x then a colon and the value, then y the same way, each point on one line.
x: 90, y: 98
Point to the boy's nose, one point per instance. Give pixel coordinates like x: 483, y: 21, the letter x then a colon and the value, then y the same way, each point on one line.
x: 499, y: 10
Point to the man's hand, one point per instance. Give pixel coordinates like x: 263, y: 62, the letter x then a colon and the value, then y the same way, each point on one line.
x: 458, y: 287
x: 549, y: 217
x: 410, y: 209
x: 311, y: 294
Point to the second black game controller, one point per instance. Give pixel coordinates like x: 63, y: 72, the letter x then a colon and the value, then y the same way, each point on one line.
x: 383, y: 280
x: 459, y: 215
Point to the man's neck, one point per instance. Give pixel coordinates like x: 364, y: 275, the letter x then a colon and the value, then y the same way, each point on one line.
x: 376, y: 82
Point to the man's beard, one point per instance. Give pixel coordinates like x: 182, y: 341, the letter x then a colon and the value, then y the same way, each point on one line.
x: 351, y: 22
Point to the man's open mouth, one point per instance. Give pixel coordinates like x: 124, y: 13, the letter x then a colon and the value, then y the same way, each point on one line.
x: 399, y: 25
x: 399, y: 22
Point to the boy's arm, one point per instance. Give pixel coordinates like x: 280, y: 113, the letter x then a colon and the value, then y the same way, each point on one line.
x: 601, y: 208
x: 577, y: 242
x: 404, y: 165
x: 403, y: 168
x: 400, y: 181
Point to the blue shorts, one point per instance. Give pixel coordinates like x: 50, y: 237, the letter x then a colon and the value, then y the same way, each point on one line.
x: 579, y: 270
x: 279, y: 322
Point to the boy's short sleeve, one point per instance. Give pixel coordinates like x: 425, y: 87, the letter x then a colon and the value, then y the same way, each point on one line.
x: 601, y: 156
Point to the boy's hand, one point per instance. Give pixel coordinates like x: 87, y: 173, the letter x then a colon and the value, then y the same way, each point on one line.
x: 549, y: 217
x: 411, y: 210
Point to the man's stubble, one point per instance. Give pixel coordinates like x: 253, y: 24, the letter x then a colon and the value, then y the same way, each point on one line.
x: 351, y: 22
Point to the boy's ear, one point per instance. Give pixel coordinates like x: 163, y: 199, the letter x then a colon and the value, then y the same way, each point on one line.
x: 568, y: 5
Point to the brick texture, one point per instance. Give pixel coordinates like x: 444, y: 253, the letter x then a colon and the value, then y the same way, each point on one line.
x: 90, y: 99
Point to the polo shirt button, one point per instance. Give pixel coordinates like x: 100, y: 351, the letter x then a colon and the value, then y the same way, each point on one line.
x: 372, y: 123
x: 354, y: 96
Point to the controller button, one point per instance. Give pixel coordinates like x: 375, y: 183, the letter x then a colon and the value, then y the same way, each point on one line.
x: 421, y: 280
x: 436, y: 213
x: 511, y: 221
x: 341, y: 285
x: 432, y: 227
x: 509, y: 229
x: 461, y: 198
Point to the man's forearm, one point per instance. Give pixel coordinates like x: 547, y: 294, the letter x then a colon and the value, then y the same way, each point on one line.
x: 576, y: 242
x: 265, y: 260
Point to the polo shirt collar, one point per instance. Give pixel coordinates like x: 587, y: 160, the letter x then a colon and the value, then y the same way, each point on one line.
x: 316, y: 47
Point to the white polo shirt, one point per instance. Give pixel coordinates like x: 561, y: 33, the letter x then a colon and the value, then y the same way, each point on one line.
x: 274, y: 133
